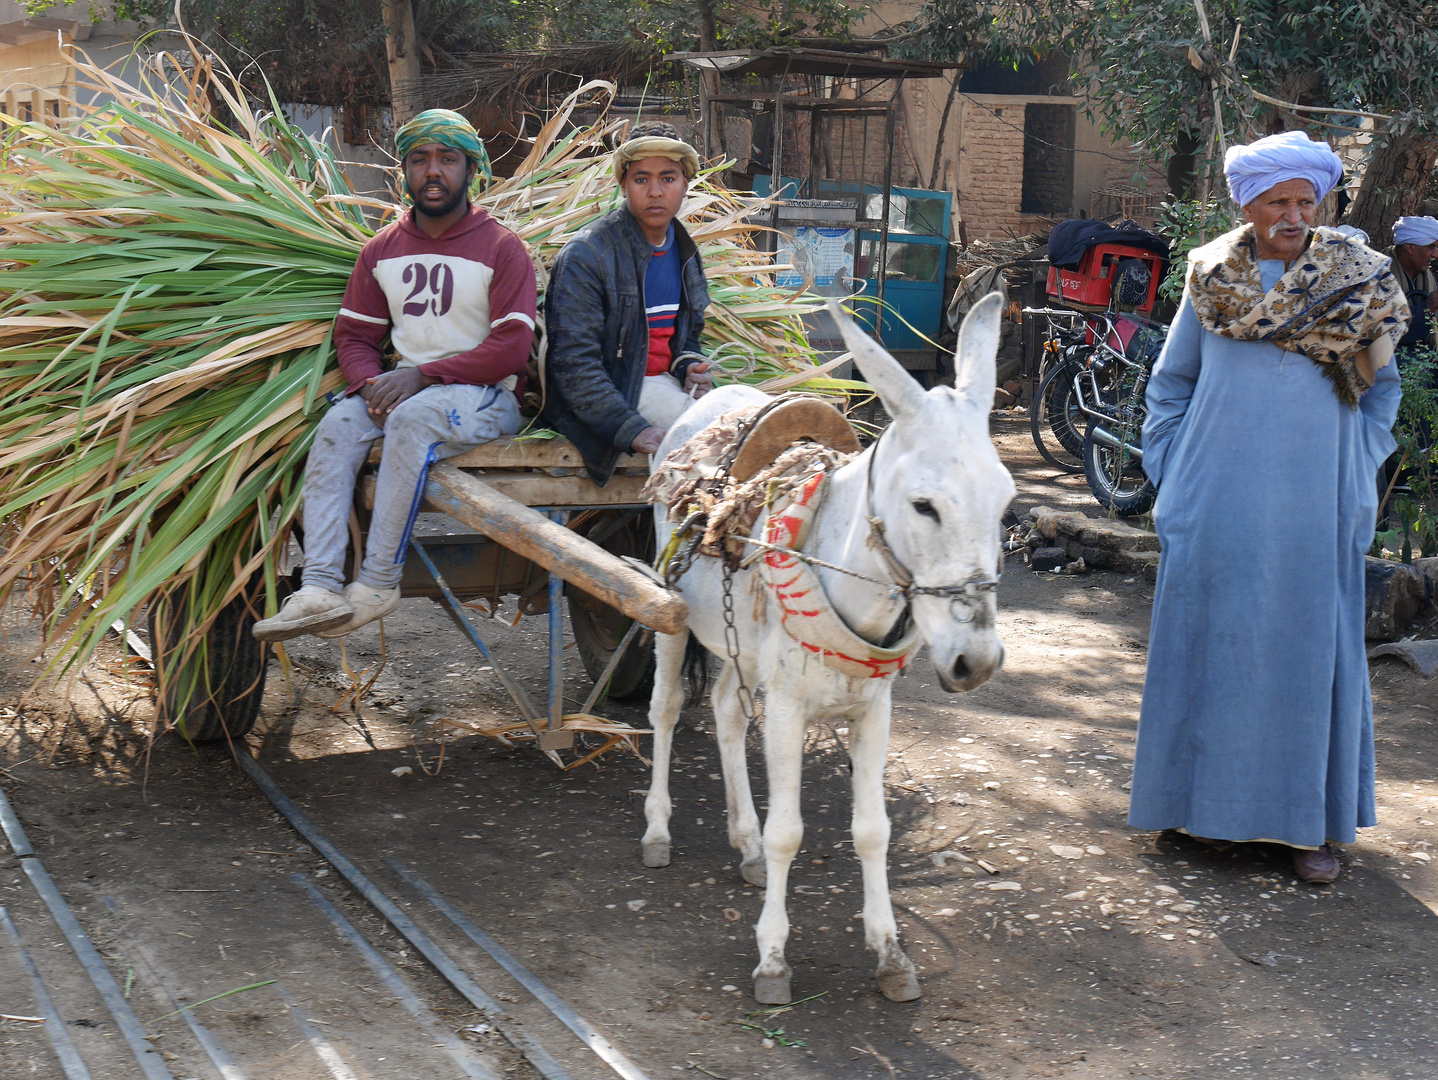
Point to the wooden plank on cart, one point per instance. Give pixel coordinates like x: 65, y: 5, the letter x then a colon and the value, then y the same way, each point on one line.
x: 537, y: 489
x: 532, y: 535
x: 526, y: 454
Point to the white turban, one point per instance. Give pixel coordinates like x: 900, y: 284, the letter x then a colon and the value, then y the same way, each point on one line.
x: 1253, y: 169
x: 1415, y: 230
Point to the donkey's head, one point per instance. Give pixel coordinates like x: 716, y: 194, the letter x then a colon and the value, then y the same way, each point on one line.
x: 939, y: 489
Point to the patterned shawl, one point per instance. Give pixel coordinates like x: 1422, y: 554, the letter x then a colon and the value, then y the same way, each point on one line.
x: 1338, y: 304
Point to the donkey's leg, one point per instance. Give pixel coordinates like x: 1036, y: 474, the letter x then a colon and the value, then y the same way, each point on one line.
x: 664, y: 704
x: 731, y: 726
x: 868, y: 748
x: 784, y: 723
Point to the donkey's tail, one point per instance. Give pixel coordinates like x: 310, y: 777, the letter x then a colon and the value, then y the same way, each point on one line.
x: 696, y: 671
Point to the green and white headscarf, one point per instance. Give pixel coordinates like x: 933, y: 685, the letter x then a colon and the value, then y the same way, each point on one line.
x: 444, y: 126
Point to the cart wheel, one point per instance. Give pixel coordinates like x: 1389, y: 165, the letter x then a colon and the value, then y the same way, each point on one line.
x: 236, y: 665
x: 599, y: 628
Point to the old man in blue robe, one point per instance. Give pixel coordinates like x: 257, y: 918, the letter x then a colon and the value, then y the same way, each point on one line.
x: 1269, y: 413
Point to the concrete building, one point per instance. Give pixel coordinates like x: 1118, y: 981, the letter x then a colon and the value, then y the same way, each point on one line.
x: 37, y: 78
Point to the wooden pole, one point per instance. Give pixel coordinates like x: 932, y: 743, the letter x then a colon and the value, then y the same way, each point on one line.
x: 1218, y: 131
x: 529, y: 533
x: 776, y: 168
x: 909, y: 128
x: 815, y: 119
x: 711, y: 84
x: 884, y: 211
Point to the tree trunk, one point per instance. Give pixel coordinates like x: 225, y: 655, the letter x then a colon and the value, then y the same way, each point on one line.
x: 1393, y: 184
x: 402, y: 48
x: 934, y: 172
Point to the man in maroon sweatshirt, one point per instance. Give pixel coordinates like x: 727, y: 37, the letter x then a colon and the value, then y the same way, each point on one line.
x: 455, y: 293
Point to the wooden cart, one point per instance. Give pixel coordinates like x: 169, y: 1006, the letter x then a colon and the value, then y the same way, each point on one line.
x: 521, y: 518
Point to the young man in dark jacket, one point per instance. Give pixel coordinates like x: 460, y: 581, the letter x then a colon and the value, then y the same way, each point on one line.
x: 625, y: 309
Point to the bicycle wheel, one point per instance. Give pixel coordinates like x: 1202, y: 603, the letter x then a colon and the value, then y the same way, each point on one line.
x: 1117, y: 480
x: 1056, y: 420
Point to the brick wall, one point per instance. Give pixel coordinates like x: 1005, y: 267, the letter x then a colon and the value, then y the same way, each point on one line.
x: 989, y: 133
x: 857, y: 150
x: 991, y: 170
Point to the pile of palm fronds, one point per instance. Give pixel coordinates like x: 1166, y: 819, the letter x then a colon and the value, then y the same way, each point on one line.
x: 168, y: 284
x: 527, y: 78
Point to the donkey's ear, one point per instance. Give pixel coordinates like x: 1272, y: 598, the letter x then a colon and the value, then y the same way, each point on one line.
x: 974, y: 358
x: 896, y: 388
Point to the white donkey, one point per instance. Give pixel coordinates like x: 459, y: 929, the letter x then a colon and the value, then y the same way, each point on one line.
x: 936, y: 489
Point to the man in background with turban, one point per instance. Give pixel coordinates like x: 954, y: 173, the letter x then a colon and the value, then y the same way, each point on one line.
x: 454, y: 291
x: 1269, y: 412
x: 1415, y: 245
x: 624, y: 311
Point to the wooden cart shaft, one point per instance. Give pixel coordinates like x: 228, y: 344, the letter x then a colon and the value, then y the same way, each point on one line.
x: 471, y: 488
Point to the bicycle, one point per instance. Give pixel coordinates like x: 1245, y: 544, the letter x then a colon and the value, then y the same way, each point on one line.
x: 1087, y: 414
x: 1081, y: 342
x: 1110, y: 392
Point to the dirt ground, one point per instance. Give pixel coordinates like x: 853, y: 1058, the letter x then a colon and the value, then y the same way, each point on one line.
x: 1088, y: 952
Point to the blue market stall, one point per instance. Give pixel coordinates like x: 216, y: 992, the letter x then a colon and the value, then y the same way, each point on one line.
x: 918, y: 251
x: 899, y: 237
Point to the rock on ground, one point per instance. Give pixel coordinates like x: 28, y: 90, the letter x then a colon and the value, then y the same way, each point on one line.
x: 1395, y: 595
x: 1099, y: 542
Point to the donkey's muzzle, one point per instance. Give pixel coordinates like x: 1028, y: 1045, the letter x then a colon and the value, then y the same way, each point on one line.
x: 971, y: 668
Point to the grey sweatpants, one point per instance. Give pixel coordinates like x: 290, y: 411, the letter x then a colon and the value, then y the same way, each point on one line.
x: 438, y: 422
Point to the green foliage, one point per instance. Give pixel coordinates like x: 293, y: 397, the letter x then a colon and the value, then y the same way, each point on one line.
x: 327, y: 52
x: 679, y: 25
x: 322, y: 52
x: 776, y: 1034
x: 761, y: 1021
x: 948, y: 30
x: 1416, y: 509
x: 1188, y: 225
x: 38, y: 7
x: 1380, y: 56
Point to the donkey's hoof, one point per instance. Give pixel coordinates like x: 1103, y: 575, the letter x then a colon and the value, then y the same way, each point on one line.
x: 900, y: 985
x: 772, y: 990
x: 754, y: 871
x: 656, y: 853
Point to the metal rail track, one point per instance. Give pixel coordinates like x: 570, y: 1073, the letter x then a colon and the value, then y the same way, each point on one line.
x: 588, y: 1034
x: 431, y: 1031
